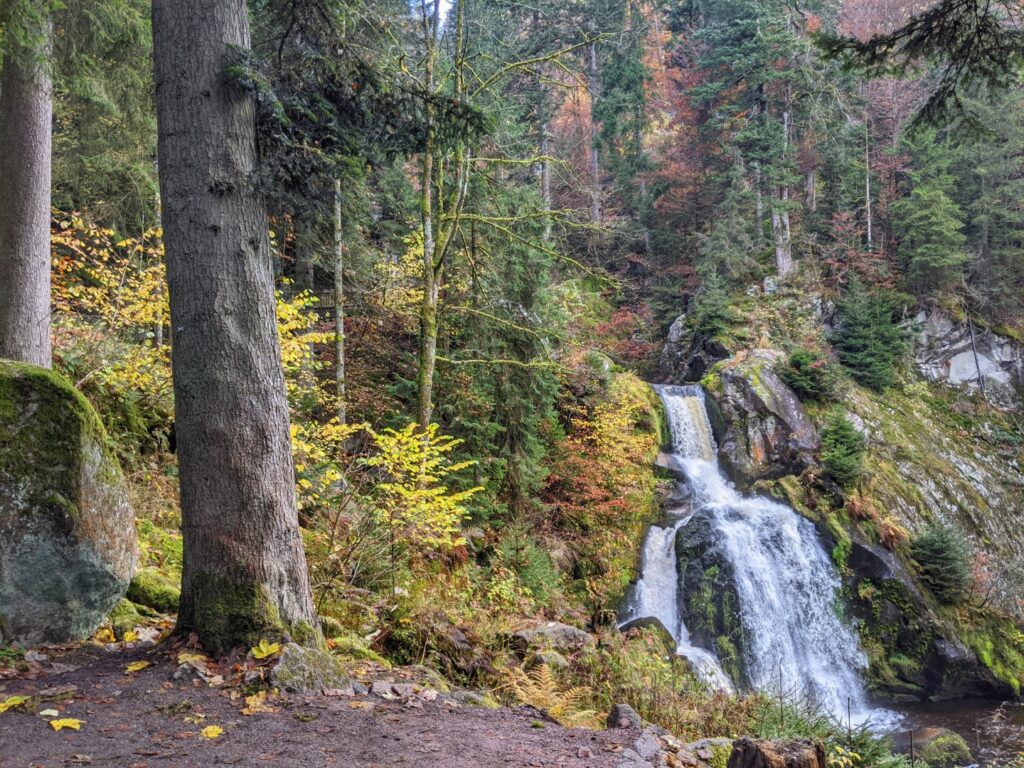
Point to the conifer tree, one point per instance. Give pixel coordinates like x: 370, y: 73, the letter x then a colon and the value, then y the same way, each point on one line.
x: 866, y: 339
x: 842, y: 449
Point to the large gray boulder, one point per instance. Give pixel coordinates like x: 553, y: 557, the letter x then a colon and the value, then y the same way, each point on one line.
x: 67, y: 532
x: 763, y: 431
x: 944, y: 353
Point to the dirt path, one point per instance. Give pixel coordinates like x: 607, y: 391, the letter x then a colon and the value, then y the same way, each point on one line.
x: 145, y: 719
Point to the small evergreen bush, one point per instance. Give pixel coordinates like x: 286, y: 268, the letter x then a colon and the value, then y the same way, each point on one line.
x: 945, y: 565
x: 866, y: 339
x: 842, y: 449
x: 812, y: 377
x: 712, y: 314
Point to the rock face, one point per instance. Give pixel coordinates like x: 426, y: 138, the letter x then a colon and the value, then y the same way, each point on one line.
x: 709, y: 602
x: 762, y: 430
x: 747, y: 753
x: 943, y: 352
x: 308, y: 670
x: 551, y: 635
x: 67, y: 532
x: 685, y: 357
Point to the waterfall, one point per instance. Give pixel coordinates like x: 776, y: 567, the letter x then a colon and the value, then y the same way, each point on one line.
x: 795, y: 644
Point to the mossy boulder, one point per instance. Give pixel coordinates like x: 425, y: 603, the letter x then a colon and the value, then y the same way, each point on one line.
x: 152, y: 588
x: 947, y: 750
x: 309, y: 670
x: 125, y: 617
x: 67, y: 531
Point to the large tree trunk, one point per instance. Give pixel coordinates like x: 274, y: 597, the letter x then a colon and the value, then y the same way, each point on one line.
x: 244, y: 575
x: 26, y: 108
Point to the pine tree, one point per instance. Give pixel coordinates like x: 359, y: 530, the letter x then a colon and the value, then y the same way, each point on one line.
x: 842, y: 449
x: 712, y: 314
x: 944, y: 562
x: 866, y: 339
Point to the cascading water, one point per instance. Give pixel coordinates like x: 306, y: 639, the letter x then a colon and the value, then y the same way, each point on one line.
x: 795, y: 642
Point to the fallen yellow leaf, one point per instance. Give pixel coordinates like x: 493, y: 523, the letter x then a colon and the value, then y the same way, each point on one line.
x: 211, y: 732
x: 196, y: 658
x: 135, y: 666
x: 256, y: 704
x: 11, y: 702
x: 131, y: 636
x: 105, y: 636
x: 265, y: 649
x: 66, y: 722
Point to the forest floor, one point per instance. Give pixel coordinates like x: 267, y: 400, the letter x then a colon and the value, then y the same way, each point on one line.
x: 146, y: 718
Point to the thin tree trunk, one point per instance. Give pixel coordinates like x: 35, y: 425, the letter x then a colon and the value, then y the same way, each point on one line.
x: 545, y: 179
x: 758, y: 205
x: 339, y: 304
x: 26, y: 108
x: 305, y: 252
x: 595, y: 167
x: 244, y: 575
x: 780, y: 213
x: 867, y: 181
x: 811, y: 189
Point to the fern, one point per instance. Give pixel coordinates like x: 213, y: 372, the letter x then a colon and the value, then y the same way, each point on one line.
x: 539, y: 688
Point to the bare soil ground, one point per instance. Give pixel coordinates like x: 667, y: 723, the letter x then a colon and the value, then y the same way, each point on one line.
x: 146, y: 719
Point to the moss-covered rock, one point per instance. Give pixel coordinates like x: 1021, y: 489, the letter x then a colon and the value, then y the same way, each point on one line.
x: 125, y: 617
x: 152, y: 588
x: 67, y: 538
x: 948, y: 750
x: 309, y: 670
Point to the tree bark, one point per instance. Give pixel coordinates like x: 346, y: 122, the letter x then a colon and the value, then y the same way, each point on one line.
x: 244, y: 577
x: 595, y: 166
x: 545, y: 180
x: 26, y: 109
x: 305, y: 251
x: 339, y: 305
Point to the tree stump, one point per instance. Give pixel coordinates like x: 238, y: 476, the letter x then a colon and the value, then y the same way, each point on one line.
x: 748, y: 753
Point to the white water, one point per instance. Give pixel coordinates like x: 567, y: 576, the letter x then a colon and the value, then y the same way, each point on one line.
x: 795, y: 643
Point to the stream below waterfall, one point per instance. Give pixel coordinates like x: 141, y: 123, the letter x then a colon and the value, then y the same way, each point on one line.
x: 795, y: 643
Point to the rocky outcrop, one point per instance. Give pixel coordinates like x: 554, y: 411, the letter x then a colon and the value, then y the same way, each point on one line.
x: 687, y: 357
x: 748, y: 753
x: 944, y: 352
x: 551, y: 635
x: 709, y: 602
x: 67, y: 533
x: 762, y: 430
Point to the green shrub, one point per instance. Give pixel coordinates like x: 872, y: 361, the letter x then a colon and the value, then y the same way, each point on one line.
x: 812, y: 377
x: 947, y: 751
x: 866, y: 339
x: 536, y: 571
x: 944, y: 563
x: 712, y: 314
x: 842, y: 449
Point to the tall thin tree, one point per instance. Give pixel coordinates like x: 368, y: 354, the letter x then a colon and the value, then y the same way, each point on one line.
x: 26, y: 109
x: 244, y: 575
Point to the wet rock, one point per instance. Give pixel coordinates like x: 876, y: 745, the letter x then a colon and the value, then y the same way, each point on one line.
x: 309, y: 670
x: 650, y: 622
x: 937, y: 747
x: 762, y: 429
x: 551, y: 635
x: 944, y: 353
x: 67, y: 532
x: 624, y: 716
x: 709, y: 602
x: 686, y: 357
x: 953, y: 671
x: 748, y: 753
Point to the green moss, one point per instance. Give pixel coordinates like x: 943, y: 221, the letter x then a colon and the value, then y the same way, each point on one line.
x: 152, y: 588
x: 228, y: 614
x: 353, y: 647
x: 124, y: 617
x: 999, y: 645
x: 45, y: 427
x: 947, y: 751
x: 720, y: 754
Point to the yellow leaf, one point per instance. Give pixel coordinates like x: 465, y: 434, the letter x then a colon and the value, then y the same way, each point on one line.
x: 131, y: 636
x: 66, y: 722
x: 105, y: 636
x: 11, y: 702
x: 196, y: 658
x: 256, y: 704
x: 211, y: 732
x: 135, y: 666
x: 265, y: 649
